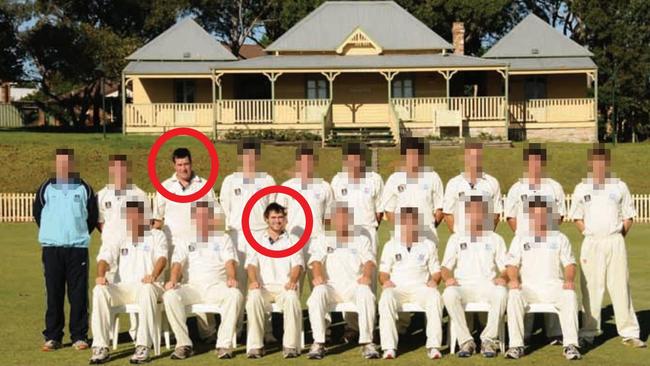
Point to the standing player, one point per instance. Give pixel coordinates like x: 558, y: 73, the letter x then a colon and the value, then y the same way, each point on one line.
x: 274, y: 280
x: 342, y: 265
x: 140, y: 257
x: 471, y: 181
x: 603, y: 210
x: 541, y: 269
x: 409, y: 272
x: 174, y: 218
x: 415, y: 186
x: 65, y: 210
x: 203, y: 271
x: 535, y: 184
x: 478, y: 256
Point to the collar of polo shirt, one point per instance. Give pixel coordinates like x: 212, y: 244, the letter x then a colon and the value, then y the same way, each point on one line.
x: 195, y: 179
x: 481, y: 175
x: 271, y: 241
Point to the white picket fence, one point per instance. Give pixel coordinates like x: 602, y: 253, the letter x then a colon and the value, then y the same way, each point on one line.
x: 17, y: 207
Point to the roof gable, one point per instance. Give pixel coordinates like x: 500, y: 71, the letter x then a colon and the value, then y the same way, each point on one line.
x: 359, y: 43
x: 533, y: 37
x: 385, y: 22
x: 184, y: 41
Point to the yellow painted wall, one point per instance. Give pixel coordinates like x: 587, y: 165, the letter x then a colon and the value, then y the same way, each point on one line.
x: 147, y: 91
x: 360, y: 98
x: 557, y: 86
x: 429, y: 84
x: 292, y: 86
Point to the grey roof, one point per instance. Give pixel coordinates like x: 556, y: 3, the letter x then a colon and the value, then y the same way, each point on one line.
x: 185, y: 38
x: 531, y: 34
x: 171, y: 67
x: 299, y: 62
x: 550, y: 63
x: 385, y: 22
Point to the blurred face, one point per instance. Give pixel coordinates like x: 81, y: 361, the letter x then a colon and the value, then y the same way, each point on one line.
x: 413, y: 159
x: 64, y: 166
x: 535, y: 165
x: 539, y: 218
x: 305, y: 165
x: 599, y: 166
x: 341, y: 220
x: 473, y: 160
x: 353, y: 163
x: 248, y: 159
x: 183, y: 168
x: 476, y: 216
x: 134, y: 219
x: 410, y: 224
x: 276, y: 221
x: 203, y: 217
x: 117, y: 173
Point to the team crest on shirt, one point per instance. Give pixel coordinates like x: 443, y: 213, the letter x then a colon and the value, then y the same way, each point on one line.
x: 398, y: 257
x: 191, y: 247
x: 77, y: 198
x: 587, y: 197
x: 366, y: 190
x: 401, y: 188
x: 107, y: 204
x: 463, y: 246
x: 344, y: 191
x: 124, y: 251
x: 524, y: 197
x: 421, y: 257
x: 330, y: 250
x: 526, y: 246
x: 237, y: 192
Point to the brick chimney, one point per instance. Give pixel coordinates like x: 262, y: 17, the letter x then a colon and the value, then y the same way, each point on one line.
x: 4, y: 92
x: 458, y: 38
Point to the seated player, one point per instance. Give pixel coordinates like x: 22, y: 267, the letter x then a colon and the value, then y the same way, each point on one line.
x: 473, y: 270
x: 409, y: 272
x: 342, y: 266
x: 541, y: 269
x: 203, y: 272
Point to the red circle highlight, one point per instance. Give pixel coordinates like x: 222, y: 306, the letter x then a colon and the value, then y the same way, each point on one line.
x: 245, y: 221
x: 214, y: 164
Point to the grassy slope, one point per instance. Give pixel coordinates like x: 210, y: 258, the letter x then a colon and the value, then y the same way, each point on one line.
x: 22, y: 306
x: 29, y: 160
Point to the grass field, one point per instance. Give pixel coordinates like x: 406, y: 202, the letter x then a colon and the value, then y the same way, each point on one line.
x: 30, y: 156
x: 22, y: 307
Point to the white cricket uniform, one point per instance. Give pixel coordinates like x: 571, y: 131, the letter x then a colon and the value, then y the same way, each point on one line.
x: 177, y: 216
x: 458, y: 186
x: 410, y: 271
x: 541, y: 263
x: 603, y: 256
x: 523, y: 190
x: 318, y: 195
x: 363, y: 196
x: 424, y: 192
x: 475, y: 262
x: 272, y: 275
x: 343, y: 263
x: 133, y: 262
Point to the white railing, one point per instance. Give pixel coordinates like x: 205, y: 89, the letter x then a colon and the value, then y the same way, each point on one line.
x: 255, y: 111
x: 472, y: 108
x: 17, y: 207
x: 10, y: 116
x: 169, y: 114
x: 552, y: 110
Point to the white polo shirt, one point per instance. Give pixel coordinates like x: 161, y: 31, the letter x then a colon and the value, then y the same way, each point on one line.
x: 204, y: 263
x: 112, y: 205
x: 424, y: 192
x: 274, y: 271
x: 523, y: 190
x: 178, y: 216
x: 485, y: 185
x: 409, y: 268
x: 541, y: 261
x: 362, y: 195
x: 134, y: 260
x: 318, y: 195
x: 477, y: 260
x: 603, y: 208
x: 236, y: 191
x: 343, y: 260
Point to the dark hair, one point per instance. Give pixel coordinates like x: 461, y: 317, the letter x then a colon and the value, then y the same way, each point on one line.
x: 408, y: 211
x: 201, y: 204
x: 181, y: 153
x: 249, y: 143
x: 135, y: 204
x: 413, y: 143
x: 274, y: 207
x: 535, y: 149
x: 354, y: 148
x: 67, y: 152
x: 117, y: 157
x: 304, y: 149
x: 599, y: 149
x: 537, y: 201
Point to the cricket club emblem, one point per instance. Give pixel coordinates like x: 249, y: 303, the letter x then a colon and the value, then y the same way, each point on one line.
x: 124, y: 251
x: 587, y: 198
x: 237, y: 192
x: 398, y: 257
x: 526, y: 246
x: 107, y: 204
x: 463, y: 246
x: 344, y: 191
x: 401, y: 188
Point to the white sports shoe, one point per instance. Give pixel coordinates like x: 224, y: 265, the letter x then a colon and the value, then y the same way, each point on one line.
x: 389, y: 354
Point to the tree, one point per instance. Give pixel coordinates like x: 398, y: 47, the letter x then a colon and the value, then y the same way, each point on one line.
x: 11, y: 56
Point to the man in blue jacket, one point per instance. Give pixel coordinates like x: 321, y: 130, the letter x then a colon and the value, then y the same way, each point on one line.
x: 65, y: 210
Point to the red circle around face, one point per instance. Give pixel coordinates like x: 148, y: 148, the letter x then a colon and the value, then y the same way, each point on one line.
x: 214, y: 164
x: 245, y: 221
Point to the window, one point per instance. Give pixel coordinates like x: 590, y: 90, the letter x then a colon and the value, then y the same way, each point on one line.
x: 184, y: 91
x: 535, y: 87
x: 403, y: 87
x: 317, y: 89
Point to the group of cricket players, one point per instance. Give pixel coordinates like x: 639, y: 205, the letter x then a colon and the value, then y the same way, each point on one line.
x: 172, y: 255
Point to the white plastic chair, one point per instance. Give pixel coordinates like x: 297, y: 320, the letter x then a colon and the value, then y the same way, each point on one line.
x: 476, y: 307
x: 135, y: 309
x: 192, y: 310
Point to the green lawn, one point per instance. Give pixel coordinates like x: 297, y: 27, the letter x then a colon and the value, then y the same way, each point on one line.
x: 30, y: 158
x: 22, y: 307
